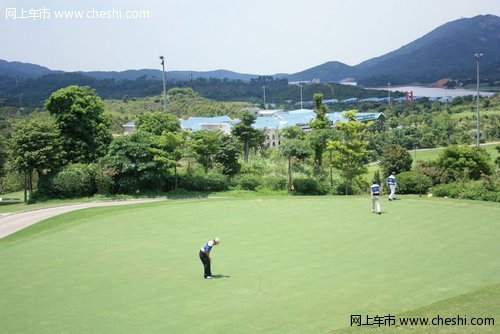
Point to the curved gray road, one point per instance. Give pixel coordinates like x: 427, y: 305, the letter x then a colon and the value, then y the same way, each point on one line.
x: 16, y: 221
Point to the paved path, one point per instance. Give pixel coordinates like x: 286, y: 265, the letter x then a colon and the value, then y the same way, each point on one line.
x: 13, y: 222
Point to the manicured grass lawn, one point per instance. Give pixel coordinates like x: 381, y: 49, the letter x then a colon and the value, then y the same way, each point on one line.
x: 290, y: 265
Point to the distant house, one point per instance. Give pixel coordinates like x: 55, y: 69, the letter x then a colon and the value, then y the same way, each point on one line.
x: 129, y: 127
x: 271, y: 121
x: 222, y: 123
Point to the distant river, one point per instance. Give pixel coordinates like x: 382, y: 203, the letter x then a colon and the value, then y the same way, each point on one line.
x: 435, y: 92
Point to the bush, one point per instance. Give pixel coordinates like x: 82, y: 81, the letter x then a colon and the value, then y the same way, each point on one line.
x: 275, y: 182
x: 309, y: 186
x: 11, y: 182
x: 247, y: 182
x: 430, y: 169
x: 413, y: 183
x: 204, y: 182
x: 357, y: 186
x: 74, y: 180
x: 466, y: 190
x: 104, y: 181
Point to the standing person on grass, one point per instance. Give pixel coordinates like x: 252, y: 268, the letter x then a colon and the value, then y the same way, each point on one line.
x: 375, y: 195
x: 205, y: 256
x: 391, y: 182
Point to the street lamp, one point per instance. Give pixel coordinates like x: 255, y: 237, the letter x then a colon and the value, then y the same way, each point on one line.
x: 478, y: 56
x: 164, y: 89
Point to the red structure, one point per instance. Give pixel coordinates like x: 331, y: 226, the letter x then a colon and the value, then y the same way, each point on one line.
x: 409, y: 97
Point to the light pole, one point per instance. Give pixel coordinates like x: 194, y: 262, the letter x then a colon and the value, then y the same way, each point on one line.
x: 164, y: 89
x: 477, y: 56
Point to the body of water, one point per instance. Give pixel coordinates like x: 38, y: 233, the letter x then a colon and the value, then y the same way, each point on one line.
x: 435, y: 92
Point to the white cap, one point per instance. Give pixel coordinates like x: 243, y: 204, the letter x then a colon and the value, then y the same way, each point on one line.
x: 217, y: 240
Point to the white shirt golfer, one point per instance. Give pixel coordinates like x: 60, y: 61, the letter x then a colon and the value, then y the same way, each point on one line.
x: 391, y: 182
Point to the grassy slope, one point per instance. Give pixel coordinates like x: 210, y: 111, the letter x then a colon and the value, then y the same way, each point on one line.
x: 296, y: 265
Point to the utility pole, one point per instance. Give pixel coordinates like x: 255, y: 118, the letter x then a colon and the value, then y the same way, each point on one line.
x: 164, y: 88
x: 478, y: 56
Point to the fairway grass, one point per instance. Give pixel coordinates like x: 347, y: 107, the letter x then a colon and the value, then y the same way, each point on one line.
x: 288, y: 265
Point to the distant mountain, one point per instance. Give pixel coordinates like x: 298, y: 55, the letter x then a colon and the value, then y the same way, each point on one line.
x: 446, y: 52
x: 170, y: 75
x: 328, y: 72
x: 22, y: 70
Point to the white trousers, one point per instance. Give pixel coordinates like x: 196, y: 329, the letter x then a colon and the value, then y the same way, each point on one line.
x: 376, y: 204
x: 393, y: 191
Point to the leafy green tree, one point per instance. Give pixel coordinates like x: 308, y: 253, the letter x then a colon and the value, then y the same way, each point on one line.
x: 350, y: 153
x: 168, y: 149
x: 205, y: 144
x: 321, y: 121
x: 497, y: 160
x: 132, y: 162
x: 318, y: 140
x: 246, y: 133
x: 3, y: 154
x: 79, y: 115
x: 294, y: 149
x: 36, y: 147
x: 228, y: 154
x: 395, y: 159
x: 464, y: 162
x: 157, y: 122
x: 292, y: 132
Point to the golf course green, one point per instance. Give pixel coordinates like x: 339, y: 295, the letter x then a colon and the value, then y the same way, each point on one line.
x: 285, y: 265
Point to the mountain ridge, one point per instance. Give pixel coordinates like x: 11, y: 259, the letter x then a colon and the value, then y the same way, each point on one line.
x: 446, y: 51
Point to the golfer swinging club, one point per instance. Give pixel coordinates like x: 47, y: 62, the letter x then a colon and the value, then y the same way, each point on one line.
x: 205, y: 256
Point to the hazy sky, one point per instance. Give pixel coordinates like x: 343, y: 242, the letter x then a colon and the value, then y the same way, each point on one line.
x: 248, y: 36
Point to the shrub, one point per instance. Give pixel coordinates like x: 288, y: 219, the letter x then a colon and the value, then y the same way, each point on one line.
x: 247, y: 182
x: 413, y: 183
x: 463, y: 162
x: 430, y: 169
x: 467, y: 190
x: 104, y: 181
x: 204, y: 182
x: 11, y: 182
x: 309, y: 186
x: 275, y: 182
x: 75, y: 180
x: 395, y: 159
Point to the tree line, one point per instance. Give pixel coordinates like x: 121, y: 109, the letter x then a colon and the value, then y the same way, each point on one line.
x: 71, y: 152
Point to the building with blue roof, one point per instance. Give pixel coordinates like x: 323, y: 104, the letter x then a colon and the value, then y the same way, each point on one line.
x: 271, y: 125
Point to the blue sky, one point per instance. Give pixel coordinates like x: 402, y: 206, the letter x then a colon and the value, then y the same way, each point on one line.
x: 248, y: 36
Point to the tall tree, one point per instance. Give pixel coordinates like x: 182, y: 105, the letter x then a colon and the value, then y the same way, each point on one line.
x: 228, y: 154
x: 247, y: 134
x: 321, y: 131
x: 206, y: 144
x: 321, y: 121
x: 169, y: 150
x: 36, y: 147
x: 132, y: 162
x: 79, y: 115
x: 464, y: 162
x: 294, y: 149
x: 350, y: 153
x: 157, y: 122
x: 3, y: 154
x: 395, y: 159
